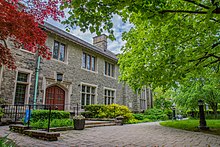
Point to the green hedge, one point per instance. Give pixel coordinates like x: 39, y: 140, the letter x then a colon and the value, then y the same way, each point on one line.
x: 156, y: 114
x: 43, y: 124
x: 107, y: 111
x: 37, y: 115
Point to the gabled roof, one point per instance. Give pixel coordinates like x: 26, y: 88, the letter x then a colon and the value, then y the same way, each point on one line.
x: 53, y: 29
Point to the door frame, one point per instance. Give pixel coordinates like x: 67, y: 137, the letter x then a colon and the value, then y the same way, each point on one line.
x: 66, y: 101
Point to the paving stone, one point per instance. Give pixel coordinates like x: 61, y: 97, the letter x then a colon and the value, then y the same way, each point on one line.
x: 145, y: 134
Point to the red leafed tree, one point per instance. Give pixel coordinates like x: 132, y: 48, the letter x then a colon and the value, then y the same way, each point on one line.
x: 19, y: 24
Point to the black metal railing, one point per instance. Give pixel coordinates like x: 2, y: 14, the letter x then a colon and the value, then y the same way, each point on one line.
x: 18, y: 112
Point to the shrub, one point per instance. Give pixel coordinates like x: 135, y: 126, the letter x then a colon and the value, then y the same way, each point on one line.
x: 43, y: 124
x: 139, y: 116
x: 37, y: 115
x: 108, y: 111
x: 156, y: 114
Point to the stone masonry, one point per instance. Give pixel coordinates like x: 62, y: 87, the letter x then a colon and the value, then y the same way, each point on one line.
x: 73, y: 73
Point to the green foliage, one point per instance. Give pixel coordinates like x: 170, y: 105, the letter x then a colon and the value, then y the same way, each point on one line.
x: 195, y: 87
x: 37, y: 115
x: 139, y: 116
x: 156, y: 114
x: 169, y: 39
x: 5, y: 142
x: 43, y: 124
x: 108, y: 111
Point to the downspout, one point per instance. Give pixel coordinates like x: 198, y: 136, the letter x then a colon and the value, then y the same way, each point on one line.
x: 36, y: 81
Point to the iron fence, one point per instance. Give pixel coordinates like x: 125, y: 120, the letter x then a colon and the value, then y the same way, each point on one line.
x: 18, y: 112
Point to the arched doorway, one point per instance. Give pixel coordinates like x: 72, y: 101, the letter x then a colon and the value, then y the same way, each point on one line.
x: 55, y: 96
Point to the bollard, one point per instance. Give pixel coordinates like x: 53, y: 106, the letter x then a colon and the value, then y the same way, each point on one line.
x: 48, y: 129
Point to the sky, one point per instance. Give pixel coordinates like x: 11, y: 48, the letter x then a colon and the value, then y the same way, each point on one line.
x: 119, y: 27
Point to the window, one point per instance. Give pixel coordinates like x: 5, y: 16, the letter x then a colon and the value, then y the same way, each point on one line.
x: 59, y: 51
x: 143, y: 98
x: 88, y: 62
x: 88, y: 94
x: 21, y: 88
x: 109, y: 69
x: 109, y: 96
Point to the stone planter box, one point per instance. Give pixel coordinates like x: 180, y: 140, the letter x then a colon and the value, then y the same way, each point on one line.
x: 18, y: 128
x: 49, y: 136
x: 79, y: 124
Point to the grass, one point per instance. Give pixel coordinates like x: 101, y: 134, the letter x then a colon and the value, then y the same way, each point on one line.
x: 192, y: 125
x: 5, y: 142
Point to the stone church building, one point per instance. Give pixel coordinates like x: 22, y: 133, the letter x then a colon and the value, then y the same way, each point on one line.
x: 78, y: 73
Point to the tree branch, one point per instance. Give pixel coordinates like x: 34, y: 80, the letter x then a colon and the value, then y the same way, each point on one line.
x: 198, y: 4
x: 216, y: 11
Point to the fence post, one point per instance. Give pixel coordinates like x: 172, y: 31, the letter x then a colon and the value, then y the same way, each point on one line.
x: 48, y: 129
x: 16, y: 111
x: 77, y: 109
x: 29, y: 115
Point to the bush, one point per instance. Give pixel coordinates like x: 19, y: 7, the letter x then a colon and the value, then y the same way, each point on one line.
x: 43, y: 124
x: 108, y: 111
x: 37, y: 115
x: 139, y: 116
x: 156, y: 114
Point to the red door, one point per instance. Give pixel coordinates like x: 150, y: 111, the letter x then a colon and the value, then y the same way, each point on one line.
x: 55, y: 96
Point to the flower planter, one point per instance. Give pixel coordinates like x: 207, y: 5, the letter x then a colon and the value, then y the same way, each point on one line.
x: 79, y: 124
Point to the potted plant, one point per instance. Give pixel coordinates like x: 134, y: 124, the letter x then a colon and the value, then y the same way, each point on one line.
x: 79, y: 122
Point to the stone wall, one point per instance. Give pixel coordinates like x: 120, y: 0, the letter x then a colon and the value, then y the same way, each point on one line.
x: 74, y: 75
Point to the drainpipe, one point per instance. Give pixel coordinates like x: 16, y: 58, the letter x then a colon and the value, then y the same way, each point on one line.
x: 36, y: 81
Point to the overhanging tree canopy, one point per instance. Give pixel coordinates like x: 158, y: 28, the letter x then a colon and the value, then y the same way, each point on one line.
x: 169, y: 40
x: 20, y: 24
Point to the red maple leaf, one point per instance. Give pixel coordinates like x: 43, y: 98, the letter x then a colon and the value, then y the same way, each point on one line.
x: 20, y: 25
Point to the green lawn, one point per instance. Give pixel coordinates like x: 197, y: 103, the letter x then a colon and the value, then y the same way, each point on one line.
x: 192, y: 125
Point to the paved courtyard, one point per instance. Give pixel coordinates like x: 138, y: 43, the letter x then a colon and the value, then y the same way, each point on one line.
x: 145, y: 134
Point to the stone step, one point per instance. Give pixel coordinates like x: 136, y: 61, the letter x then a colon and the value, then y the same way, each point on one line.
x: 100, y: 125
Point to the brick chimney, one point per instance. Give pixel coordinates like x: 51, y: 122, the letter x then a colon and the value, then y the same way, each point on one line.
x: 100, y: 41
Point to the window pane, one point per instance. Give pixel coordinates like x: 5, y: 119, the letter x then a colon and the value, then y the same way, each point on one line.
x: 109, y: 101
x: 93, y: 90
x: 56, y: 50
x: 88, y: 62
x: 22, y: 77
x: 88, y: 89
x: 113, y: 71
x: 112, y: 93
x: 112, y: 100
x: 93, y: 63
x: 62, y: 52
x: 105, y: 92
x: 93, y: 99
x: 88, y: 99
x: 109, y: 93
x: 20, y: 94
x: 109, y: 69
x: 83, y: 88
x: 84, y: 60
x: 106, y: 68
x: 83, y: 100
x: 105, y: 100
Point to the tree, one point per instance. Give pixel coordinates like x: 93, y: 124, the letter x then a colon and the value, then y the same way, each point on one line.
x: 20, y: 25
x: 169, y: 40
x: 197, y: 87
x: 163, y: 99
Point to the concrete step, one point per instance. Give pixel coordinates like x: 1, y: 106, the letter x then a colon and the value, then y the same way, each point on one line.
x: 100, y: 125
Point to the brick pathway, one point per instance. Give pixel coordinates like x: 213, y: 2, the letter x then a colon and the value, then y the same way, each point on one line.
x: 146, y: 134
